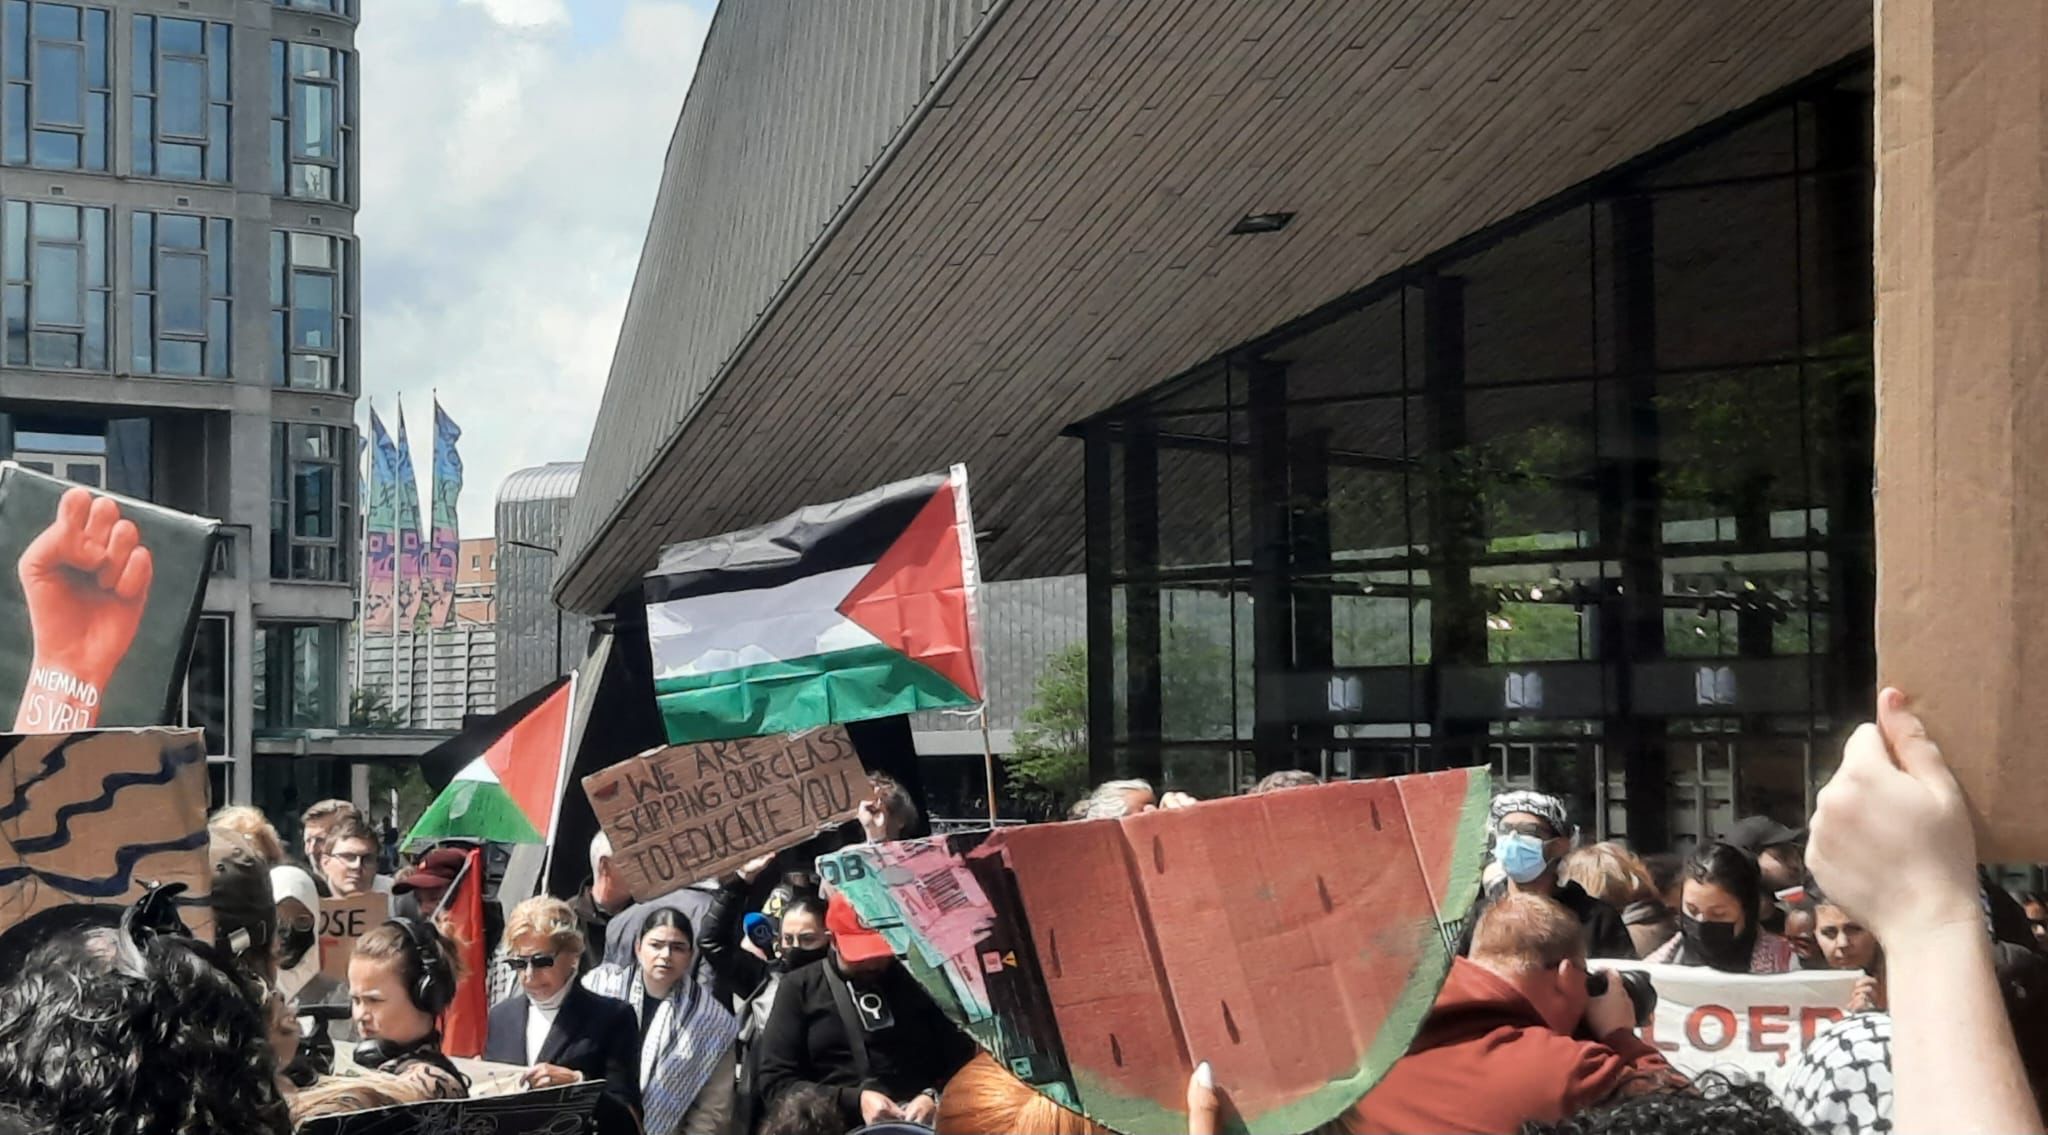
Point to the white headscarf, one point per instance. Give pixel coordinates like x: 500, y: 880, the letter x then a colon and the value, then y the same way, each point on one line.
x: 288, y: 882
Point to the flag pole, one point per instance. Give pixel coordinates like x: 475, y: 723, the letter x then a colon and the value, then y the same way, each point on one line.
x: 988, y: 764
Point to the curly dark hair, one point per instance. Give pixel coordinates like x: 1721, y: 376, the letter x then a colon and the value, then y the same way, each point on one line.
x: 137, y: 1034
x: 811, y: 1109
x: 1715, y: 1106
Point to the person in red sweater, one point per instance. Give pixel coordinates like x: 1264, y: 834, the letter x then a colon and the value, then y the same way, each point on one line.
x: 1514, y: 1037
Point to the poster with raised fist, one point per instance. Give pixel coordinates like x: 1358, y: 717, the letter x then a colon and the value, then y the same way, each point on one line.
x: 98, y: 598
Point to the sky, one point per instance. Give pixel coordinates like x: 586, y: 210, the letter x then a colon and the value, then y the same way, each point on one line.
x: 510, y: 154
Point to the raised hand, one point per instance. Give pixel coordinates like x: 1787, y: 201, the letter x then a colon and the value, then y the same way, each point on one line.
x: 86, y: 579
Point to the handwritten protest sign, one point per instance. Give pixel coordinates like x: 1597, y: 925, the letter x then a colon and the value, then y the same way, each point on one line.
x: 94, y: 817
x: 689, y: 812
x: 1758, y: 1025
x: 342, y: 923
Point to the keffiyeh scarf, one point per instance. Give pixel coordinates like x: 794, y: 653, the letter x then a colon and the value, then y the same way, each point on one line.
x: 689, y: 1038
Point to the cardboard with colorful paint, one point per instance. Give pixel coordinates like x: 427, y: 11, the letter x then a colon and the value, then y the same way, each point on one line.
x: 1293, y: 940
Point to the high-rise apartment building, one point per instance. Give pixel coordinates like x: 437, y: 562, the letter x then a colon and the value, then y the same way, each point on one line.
x: 177, y: 197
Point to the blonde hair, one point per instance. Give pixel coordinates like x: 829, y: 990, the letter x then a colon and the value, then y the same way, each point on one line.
x: 1522, y: 933
x: 983, y: 1098
x: 1609, y: 872
x: 551, y: 918
x: 252, y: 825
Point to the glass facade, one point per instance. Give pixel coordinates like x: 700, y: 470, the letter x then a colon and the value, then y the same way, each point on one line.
x: 298, y: 675
x: 57, y: 285
x: 1585, y: 497
x: 180, y: 102
x: 55, y: 109
x: 310, y: 318
x: 311, y: 120
x: 183, y: 303
x: 311, y: 522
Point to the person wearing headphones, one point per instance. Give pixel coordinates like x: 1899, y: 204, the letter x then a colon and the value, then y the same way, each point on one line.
x: 401, y: 978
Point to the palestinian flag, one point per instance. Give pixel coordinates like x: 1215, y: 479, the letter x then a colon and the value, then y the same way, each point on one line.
x: 513, y: 792
x: 839, y: 612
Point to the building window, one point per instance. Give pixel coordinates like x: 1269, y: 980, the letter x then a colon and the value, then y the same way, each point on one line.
x: 56, y: 100
x: 298, y: 675
x: 310, y: 311
x: 181, y: 304
x: 311, y: 123
x: 181, y: 106
x: 208, y: 679
x: 476, y: 562
x: 336, y: 7
x: 56, y: 301
x: 310, y: 503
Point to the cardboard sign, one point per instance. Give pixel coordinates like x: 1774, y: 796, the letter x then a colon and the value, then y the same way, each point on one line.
x: 1294, y: 940
x: 548, y: 1112
x: 1962, y: 429
x: 98, y: 598
x: 1757, y: 1025
x: 96, y: 817
x: 342, y: 922
x: 690, y: 812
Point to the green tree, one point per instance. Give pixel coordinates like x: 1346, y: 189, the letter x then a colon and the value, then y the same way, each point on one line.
x: 370, y: 708
x: 1048, y: 768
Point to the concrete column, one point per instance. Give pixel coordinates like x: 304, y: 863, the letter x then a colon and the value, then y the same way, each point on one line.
x: 1962, y: 393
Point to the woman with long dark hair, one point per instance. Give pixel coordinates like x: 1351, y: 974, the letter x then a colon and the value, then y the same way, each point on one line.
x: 1717, y: 918
x: 686, y: 1037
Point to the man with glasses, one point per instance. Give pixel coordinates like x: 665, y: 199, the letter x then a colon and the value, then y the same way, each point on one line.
x: 1531, y: 834
x: 349, y: 861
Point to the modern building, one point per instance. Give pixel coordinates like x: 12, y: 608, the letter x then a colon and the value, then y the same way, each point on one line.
x: 476, y: 581
x: 537, y: 641
x: 179, y: 187
x: 1414, y: 384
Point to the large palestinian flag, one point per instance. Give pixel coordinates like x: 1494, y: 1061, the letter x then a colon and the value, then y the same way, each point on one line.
x: 838, y: 612
x: 513, y: 792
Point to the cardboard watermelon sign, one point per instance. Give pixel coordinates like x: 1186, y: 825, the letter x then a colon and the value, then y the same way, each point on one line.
x: 1294, y: 940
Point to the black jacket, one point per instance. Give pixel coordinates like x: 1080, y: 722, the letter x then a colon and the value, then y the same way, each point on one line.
x: 1606, y: 934
x: 735, y: 972
x: 594, y: 1035
x: 806, y: 1041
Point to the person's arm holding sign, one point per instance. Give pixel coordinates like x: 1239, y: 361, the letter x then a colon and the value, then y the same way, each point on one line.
x: 1892, y: 843
x: 86, y: 581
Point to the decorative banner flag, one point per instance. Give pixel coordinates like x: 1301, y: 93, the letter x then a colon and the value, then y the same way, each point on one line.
x: 97, y: 817
x: 838, y: 612
x: 411, y: 594
x: 1294, y: 940
x: 380, y: 584
x: 513, y: 793
x: 447, y: 540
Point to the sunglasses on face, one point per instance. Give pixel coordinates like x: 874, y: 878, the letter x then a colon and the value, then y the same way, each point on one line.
x: 520, y: 963
x: 303, y: 924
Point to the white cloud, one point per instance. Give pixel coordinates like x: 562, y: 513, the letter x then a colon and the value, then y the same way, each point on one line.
x: 511, y: 152
x: 523, y: 13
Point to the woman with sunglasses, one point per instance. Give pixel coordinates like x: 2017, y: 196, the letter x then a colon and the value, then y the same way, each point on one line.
x: 686, y: 1036
x: 563, y: 1032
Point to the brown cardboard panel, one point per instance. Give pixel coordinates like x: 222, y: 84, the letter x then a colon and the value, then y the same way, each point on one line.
x: 343, y: 922
x: 1962, y: 394
x: 686, y: 813
x: 94, y: 817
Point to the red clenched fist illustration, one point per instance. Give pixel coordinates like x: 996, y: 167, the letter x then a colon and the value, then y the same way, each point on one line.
x: 86, y: 578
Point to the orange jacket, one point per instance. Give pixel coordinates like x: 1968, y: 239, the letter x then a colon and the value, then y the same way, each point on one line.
x: 1485, y: 1062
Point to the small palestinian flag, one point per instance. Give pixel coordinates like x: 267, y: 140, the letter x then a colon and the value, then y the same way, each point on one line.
x: 839, y: 612
x: 513, y: 792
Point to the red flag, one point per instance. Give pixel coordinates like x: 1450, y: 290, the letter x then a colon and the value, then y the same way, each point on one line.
x: 461, y: 916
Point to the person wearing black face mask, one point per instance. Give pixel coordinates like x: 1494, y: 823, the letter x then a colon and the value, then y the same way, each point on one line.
x: 1717, y: 918
x: 746, y: 980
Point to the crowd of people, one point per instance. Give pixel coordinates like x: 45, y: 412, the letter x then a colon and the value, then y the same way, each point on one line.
x: 760, y: 1004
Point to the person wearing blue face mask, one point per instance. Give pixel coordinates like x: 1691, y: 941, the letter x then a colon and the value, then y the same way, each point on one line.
x: 1531, y: 834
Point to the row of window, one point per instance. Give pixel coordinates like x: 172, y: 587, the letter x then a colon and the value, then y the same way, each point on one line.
x: 57, y: 104
x: 311, y: 502
x: 59, y: 286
